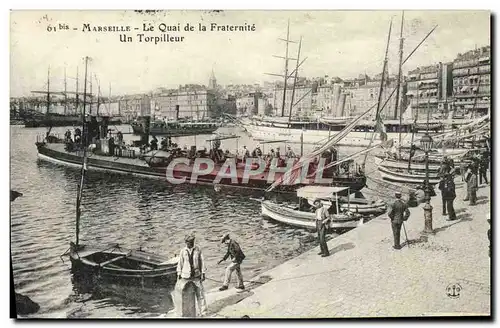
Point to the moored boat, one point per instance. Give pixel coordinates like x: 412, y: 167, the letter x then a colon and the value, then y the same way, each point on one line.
x: 403, y: 176
x: 156, y: 163
x: 125, y: 266
x: 343, y: 215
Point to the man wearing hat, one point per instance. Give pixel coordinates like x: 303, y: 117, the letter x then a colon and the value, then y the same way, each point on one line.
x: 448, y: 195
x: 191, y: 268
x: 322, y: 220
x: 398, y: 213
x: 237, y: 256
x: 290, y: 153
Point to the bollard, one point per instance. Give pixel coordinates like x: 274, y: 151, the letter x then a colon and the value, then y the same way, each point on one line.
x: 428, y: 218
x: 188, y: 300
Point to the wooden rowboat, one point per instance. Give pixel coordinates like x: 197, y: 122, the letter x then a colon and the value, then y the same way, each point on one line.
x: 125, y: 266
x: 307, y: 220
x: 403, y: 176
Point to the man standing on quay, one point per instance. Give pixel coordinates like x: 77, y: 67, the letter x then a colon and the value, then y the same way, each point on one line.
x: 322, y: 219
x: 447, y: 187
x: 191, y: 268
x: 398, y: 213
x: 233, y: 250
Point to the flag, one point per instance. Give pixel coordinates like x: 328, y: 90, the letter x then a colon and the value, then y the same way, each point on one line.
x: 380, y: 128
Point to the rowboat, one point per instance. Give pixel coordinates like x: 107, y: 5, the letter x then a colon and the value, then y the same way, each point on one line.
x: 125, y: 266
x: 343, y: 216
x: 403, y: 176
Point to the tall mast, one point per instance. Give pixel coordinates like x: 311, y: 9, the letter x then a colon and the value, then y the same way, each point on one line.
x: 84, y: 164
x: 413, y: 128
x: 381, y: 89
x: 109, y: 99
x: 286, y: 68
x: 48, y: 91
x: 377, y: 114
x: 91, y: 96
x: 401, y: 43
x: 65, y: 94
x: 295, y: 80
x: 98, y: 93
x: 77, y: 96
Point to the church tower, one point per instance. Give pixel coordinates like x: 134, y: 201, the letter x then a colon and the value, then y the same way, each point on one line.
x: 212, y: 82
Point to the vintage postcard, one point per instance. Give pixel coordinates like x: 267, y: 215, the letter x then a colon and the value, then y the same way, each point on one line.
x: 250, y: 164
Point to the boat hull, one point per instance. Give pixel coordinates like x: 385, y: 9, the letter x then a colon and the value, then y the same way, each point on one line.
x: 123, y: 267
x: 353, y: 138
x: 306, y: 220
x: 138, y: 168
x: 404, y: 177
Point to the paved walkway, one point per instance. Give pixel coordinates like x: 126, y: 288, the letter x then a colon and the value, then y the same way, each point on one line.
x: 365, y: 277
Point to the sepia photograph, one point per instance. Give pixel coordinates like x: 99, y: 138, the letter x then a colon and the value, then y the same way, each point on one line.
x: 250, y: 164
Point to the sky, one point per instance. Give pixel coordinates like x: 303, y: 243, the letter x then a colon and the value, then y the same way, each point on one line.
x: 335, y: 43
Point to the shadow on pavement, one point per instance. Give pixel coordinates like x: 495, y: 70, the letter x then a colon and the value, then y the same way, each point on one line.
x: 342, y: 247
x: 420, y: 240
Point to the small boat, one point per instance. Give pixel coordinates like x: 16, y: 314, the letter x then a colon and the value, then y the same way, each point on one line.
x: 403, y: 176
x: 362, y: 205
x: 301, y: 216
x: 119, y: 265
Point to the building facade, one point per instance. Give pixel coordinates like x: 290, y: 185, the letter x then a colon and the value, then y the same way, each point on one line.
x: 472, y: 82
x: 303, y: 101
x: 429, y: 91
x: 361, y: 95
x: 197, y: 104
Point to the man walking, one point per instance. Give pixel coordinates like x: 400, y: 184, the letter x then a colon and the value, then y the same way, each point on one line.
x: 471, y: 179
x: 398, y: 213
x: 448, y: 195
x: 322, y: 220
x: 234, y: 251
x: 191, y: 268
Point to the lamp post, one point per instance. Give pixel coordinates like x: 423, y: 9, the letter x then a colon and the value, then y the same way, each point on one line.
x: 426, y: 145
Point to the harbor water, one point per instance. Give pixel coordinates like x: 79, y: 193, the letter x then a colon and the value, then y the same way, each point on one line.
x: 132, y: 212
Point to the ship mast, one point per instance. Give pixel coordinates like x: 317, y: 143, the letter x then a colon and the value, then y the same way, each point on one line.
x: 294, y: 81
x: 398, y: 86
x: 77, y: 96
x: 65, y: 94
x: 48, y: 91
x: 84, y: 164
x: 286, y: 68
x: 381, y: 89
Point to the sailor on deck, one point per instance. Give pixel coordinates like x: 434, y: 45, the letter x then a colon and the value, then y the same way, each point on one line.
x: 290, y: 153
x: 257, y: 152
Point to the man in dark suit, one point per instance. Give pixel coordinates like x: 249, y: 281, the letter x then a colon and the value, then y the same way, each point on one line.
x: 398, y: 213
x: 234, y: 251
x: 447, y: 187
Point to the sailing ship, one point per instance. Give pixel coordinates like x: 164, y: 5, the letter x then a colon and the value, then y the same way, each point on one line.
x: 34, y: 118
x: 319, y: 129
x: 115, y: 264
